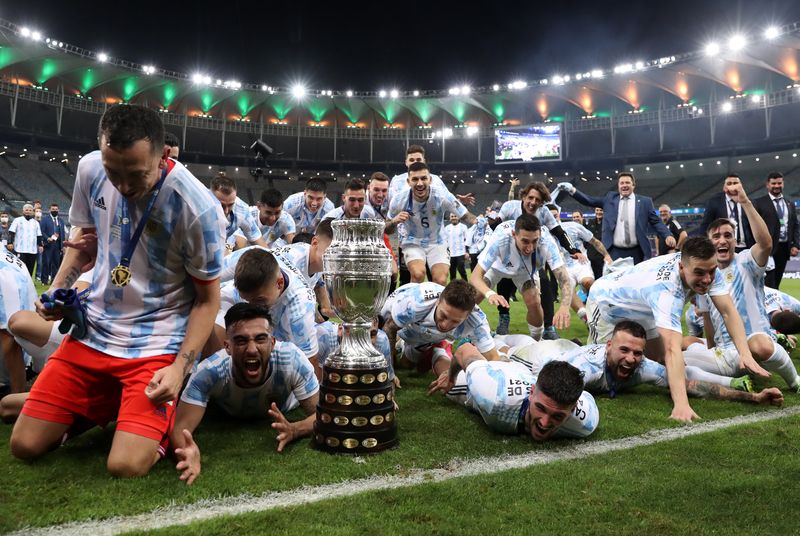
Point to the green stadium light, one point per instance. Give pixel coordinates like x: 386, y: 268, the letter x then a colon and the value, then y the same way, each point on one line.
x: 129, y: 89
x: 169, y: 94
x: 87, y: 81
x: 49, y: 69
x: 206, y: 101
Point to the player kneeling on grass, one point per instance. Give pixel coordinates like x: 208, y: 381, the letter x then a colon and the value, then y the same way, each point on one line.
x: 619, y: 365
x: 511, y: 400
x: 254, y: 376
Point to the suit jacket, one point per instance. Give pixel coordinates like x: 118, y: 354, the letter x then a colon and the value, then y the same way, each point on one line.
x: 646, y: 218
x: 766, y: 207
x: 717, y: 207
x: 49, y: 228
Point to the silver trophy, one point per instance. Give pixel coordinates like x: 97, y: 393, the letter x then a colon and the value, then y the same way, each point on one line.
x: 356, y: 408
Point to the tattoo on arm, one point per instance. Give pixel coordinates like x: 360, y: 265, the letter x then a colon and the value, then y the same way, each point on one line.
x: 455, y: 368
x: 564, y: 283
x: 72, y: 276
x: 188, y: 361
x: 702, y: 389
x: 601, y: 249
x: 391, y: 329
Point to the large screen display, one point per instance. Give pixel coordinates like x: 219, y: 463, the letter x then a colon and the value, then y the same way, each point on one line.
x: 533, y: 143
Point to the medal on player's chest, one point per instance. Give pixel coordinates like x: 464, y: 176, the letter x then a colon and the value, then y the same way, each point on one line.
x: 120, y: 275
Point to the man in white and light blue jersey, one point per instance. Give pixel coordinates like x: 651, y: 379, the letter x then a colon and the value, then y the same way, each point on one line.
x: 620, y: 365
x: 252, y: 377
x: 330, y: 337
x: 456, y: 234
x: 155, y: 236
x: 308, y: 207
x: 653, y: 293
x: 476, y: 239
x: 422, y: 210
x: 353, y: 203
x: 518, y: 250
x: 744, y: 274
x: 276, y: 225
x: 427, y: 316
x: 25, y: 237
x: 264, y: 279
x: 237, y: 212
x: 416, y: 153
x: 17, y: 293
x: 511, y: 400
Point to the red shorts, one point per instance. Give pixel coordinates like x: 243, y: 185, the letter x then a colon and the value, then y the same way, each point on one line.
x: 82, y: 381
x: 389, y: 245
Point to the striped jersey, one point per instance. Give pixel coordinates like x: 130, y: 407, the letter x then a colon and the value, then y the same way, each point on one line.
x: 425, y: 227
x: 502, y: 255
x: 17, y: 292
x: 780, y: 301
x: 284, y: 225
x: 329, y: 339
x: 579, y: 236
x: 298, y: 255
x: 27, y: 234
x: 367, y: 213
x: 290, y: 379
x: 230, y: 261
x: 456, y: 239
x: 511, y: 210
x: 399, y: 184
x: 241, y: 218
x: 477, y: 234
x: 412, y: 308
x: 305, y: 221
x: 183, y: 240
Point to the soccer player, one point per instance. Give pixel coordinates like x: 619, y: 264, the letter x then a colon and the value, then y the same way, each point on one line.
x: 308, y: 207
x: 264, y: 279
x: 275, y: 224
x: 330, y: 337
x: 416, y: 153
x: 422, y: 209
x: 620, y: 364
x: 236, y: 211
x: 519, y: 254
x: 252, y: 377
x: 511, y: 400
x: 743, y: 274
x: 476, y: 240
x: 783, y: 311
x: 456, y: 234
x: 154, y: 235
x: 353, y: 203
x: 25, y: 237
x: 653, y: 293
x: 426, y: 316
x: 17, y: 293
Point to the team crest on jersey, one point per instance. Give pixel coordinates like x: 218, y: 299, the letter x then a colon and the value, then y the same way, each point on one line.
x: 729, y: 276
x: 152, y: 227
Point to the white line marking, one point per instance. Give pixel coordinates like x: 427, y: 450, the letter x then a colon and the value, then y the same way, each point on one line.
x: 457, y: 468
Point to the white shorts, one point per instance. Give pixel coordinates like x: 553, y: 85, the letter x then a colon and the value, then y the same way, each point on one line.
x: 40, y: 354
x: 601, y: 327
x: 579, y: 271
x: 520, y: 279
x: 436, y: 254
x: 535, y: 356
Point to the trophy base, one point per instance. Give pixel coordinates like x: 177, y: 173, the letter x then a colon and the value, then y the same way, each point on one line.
x: 355, y: 414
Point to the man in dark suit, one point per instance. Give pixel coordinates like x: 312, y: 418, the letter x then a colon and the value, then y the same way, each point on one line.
x: 721, y: 205
x: 53, y: 235
x: 781, y: 219
x: 627, y: 219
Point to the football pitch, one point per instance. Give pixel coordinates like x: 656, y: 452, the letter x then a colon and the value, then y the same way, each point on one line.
x: 733, y: 472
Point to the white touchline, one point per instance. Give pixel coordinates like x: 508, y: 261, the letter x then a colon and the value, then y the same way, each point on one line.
x: 457, y: 468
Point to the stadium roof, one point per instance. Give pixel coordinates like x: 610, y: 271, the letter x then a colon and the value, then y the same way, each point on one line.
x: 739, y: 67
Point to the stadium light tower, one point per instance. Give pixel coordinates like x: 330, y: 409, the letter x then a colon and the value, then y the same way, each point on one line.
x: 737, y: 42
x: 712, y: 49
x: 772, y: 32
x: 298, y: 91
x: 102, y: 57
x: 727, y: 107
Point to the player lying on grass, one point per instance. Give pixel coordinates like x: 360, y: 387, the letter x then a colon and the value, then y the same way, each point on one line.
x: 619, y: 365
x: 254, y: 376
x: 511, y: 400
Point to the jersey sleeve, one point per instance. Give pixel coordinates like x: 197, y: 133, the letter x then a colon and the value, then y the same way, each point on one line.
x: 80, y: 209
x: 304, y: 382
x: 285, y: 226
x: 583, y: 233
x: 651, y: 373
x: 201, y: 382
x: 667, y: 309
x: 481, y: 334
x: 13, y: 227
x: 203, y: 245
x: 247, y: 222
x: 506, y: 211
x: 452, y: 204
x: 547, y: 219
x: 491, y: 252
x: 550, y: 251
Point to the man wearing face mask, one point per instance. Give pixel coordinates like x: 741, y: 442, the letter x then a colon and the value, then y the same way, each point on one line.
x: 4, y: 224
x: 53, y: 233
x: 25, y: 237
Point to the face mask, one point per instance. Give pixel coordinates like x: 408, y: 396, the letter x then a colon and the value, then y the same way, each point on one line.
x: 3, y: 220
x: 27, y: 216
x: 38, y: 215
x: 54, y: 213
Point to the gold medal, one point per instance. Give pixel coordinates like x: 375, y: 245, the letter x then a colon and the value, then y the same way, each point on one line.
x: 121, y: 275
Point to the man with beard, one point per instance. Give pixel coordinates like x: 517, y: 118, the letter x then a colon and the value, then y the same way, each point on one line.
x: 781, y: 219
x: 252, y: 377
x: 308, y: 207
x: 276, y: 224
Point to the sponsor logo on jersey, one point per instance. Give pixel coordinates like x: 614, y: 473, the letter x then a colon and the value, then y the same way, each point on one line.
x: 100, y: 203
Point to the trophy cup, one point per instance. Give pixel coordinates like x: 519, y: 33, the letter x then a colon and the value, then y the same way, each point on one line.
x: 355, y: 414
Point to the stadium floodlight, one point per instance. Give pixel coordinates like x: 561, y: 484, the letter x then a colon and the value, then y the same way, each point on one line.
x: 597, y: 73
x: 394, y: 93
x: 624, y: 68
x: 447, y: 133
x: 263, y: 87
x: 756, y: 98
x: 197, y: 78
x: 149, y: 69
x: 712, y: 48
x: 382, y: 94
x: 349, y: 93
x: 466, y: 90
x: 102, y: 57
x: 639, y: 65
x: 36, y: 36
x: 298, y: 91
x: 727, y: 106
x: 777, y: 157
x: 454, y: 91
x: 25, y: 31
x: 496, y: 87
x: 472, y: 131
x: 772, y: 32
x: 557, y: 79
x: 737, y: 42
x: 416, y: 93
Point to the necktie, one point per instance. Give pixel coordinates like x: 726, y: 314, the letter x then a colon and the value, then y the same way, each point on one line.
x: 779, y: 208
x: 626, y: 220
x: 735, y: 218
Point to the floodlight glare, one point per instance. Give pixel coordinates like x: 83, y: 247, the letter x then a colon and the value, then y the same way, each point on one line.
x: 465, y: 90
x: 756, y: 98
x: 639, y: 65
x: 772, y: 32
x: 349, y: 93
x: 102, y: 57
x: 36, y: 36
x: 496, y: 87
x: 25, y: 32
x: 472, y: 130
x: 382, y: 94
x: 394, y: 93
x: 416, y: 93
x: 263, y: 87
x: 737, y: 42
x: 712, y: 49
x: 298, y: 91
x: 727, y: 106
x: 454, y: 91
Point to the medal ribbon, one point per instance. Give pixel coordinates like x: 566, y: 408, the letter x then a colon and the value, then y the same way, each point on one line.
x: 129, y: 244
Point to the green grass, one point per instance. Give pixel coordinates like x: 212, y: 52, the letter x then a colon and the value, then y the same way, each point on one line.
x: 239, y: 457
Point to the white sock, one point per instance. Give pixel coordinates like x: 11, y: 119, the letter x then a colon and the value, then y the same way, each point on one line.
x: 697, y: 374
x: 781, y: 363
x: 582, y: 314
x: 536, y: 332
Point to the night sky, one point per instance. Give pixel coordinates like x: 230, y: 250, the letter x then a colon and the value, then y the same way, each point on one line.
x: 404, y: 44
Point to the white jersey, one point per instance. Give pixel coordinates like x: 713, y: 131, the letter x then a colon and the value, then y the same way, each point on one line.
x: 502, y: 255
x: 744, y: 279
x: 425, y: 227
x: 511, y: 210
x: 298, y: 255
x: 283, y: 226
x: 412, y: 308
x: 367, y: 213
x: 26, y: 239
x: 476, y: 236
x: 579, y: 236
x: 329, y: 340
x: 456, y: 239
x: 183, y: 240
x: 290, y: 379
x: 305, y: 220
x: 651, y: 293
x: 293, y: 313
x: 780, y: 301
x: 230, y: 261
x: 399, y: 184
x: 17, y: 292
x: 500, y: 393
x: 241, y: 219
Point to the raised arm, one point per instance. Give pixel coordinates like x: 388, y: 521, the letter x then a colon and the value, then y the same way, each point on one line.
x: 762, y: 248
